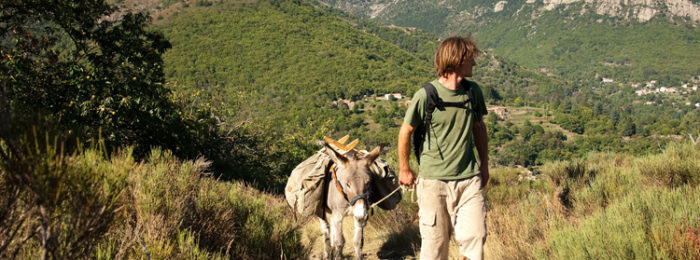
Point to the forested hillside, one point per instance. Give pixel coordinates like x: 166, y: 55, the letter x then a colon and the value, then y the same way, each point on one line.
x: 276, y: 68
x: 269, y: 65
x: 630, y: 42
x: 643, y: 69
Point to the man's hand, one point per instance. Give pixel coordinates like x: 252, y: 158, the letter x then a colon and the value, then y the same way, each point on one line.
x: 406, y: 177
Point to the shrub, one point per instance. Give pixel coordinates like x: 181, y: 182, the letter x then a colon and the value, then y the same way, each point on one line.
x: 90, y: 205
x: 639, y: 227
x: 596, y: 208
x: 677, y: 165
x: 686, y: 241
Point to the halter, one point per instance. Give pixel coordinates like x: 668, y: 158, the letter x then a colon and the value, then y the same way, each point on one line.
x: 363, y: 196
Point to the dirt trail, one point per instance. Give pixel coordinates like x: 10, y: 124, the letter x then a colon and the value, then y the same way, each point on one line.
x: 374, y: 239
x: 384, y: 239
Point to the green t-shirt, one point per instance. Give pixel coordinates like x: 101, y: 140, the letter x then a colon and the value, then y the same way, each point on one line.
x: 449, y: 154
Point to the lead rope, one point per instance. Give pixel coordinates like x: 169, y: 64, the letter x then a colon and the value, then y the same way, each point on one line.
x: 385, y: 197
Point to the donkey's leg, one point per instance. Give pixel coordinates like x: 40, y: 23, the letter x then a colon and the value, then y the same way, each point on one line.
x: 360, y: 217
x: 337, y: 239
x: 358, y: 239
x: 326, y: 236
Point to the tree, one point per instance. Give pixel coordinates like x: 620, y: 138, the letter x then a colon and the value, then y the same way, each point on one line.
x: 75, y: 68
x: 627, y: 128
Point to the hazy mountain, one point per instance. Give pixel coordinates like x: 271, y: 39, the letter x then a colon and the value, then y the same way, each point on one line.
x: 628, y: 41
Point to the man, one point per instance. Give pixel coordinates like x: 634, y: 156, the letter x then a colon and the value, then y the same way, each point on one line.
x: 450, y: 179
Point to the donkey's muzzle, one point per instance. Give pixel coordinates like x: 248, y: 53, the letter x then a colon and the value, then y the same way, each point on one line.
x: 363, y: 196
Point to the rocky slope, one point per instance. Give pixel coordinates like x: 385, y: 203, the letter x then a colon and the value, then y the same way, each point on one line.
x: 639, y: 10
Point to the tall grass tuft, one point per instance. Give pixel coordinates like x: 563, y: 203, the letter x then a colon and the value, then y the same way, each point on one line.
x: 88, y: 204
x: 603, y: 206
x: 677, y: 165
x: 638, y: 227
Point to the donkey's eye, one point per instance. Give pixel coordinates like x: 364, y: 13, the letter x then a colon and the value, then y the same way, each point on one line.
x: 347, y: 185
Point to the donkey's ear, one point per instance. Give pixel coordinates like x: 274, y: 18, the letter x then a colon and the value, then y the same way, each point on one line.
x: 335, y: 156
x: 374, y: 154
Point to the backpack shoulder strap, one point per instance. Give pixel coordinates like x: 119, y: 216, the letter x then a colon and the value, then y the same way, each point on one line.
x: 468, y: 85
x: 420, y: 132
x: 431, y: 101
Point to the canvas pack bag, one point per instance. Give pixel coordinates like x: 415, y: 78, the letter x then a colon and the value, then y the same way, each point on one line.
x: 305, y: 187
x: 384, y: 182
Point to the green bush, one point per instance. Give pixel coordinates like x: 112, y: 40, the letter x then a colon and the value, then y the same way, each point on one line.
x: 677, y: 165
x: 90, y: 205
x: 602, y: 206
x: 511, y: 185
x: 640, y: 226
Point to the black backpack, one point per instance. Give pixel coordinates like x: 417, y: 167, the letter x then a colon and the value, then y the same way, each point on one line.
x: 433, y: 101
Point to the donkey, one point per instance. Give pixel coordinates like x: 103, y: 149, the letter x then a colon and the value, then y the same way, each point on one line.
x: 348, y: 194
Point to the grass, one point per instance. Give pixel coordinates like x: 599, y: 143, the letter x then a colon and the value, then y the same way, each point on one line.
x: 536, y: 116
x: 604, y: 206
x: 90, y: 205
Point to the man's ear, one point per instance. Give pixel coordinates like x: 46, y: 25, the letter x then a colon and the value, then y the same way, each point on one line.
x: 335, y: 156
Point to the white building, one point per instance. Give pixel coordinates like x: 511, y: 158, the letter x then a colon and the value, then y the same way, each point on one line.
x: 643, y: 92
x: 651, y: 83
x: 666, y: 90
x: 395, y: 95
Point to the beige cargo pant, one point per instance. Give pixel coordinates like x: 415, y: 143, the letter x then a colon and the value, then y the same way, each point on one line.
x: 445, y: 206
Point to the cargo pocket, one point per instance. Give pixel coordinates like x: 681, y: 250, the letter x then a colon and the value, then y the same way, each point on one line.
x: 426, y: 218
x: 428, y: 227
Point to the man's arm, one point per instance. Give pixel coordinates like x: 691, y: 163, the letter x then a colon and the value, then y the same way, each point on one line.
x: 406, y: 175
x: 481, y: 141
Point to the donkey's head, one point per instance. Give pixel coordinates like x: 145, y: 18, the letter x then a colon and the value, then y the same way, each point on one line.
x: 354, y: 177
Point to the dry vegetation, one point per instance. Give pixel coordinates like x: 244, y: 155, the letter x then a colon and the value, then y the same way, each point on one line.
x: 605, y: 206
x: 90, y: 205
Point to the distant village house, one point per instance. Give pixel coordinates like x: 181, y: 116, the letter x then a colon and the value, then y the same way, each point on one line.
x: 350, y: 104
x: 499, y: 111
x: 394, y: 95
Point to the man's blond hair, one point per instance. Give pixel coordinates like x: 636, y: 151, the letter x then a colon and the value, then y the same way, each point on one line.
x: 453, y: 52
